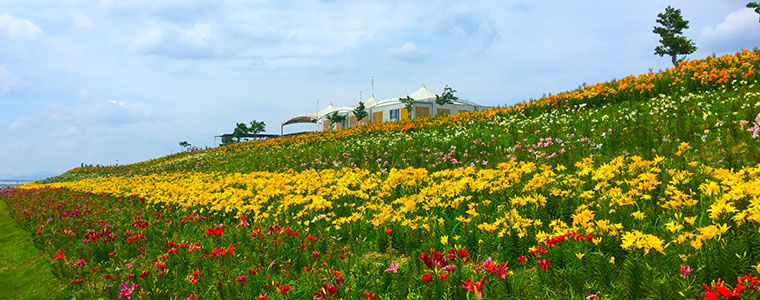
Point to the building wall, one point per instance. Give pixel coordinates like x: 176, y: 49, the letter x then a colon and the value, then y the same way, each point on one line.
x: 377, y: 117
x: 352, y: 121
x: 405, y: 114
x: 421, y: 112
x: 422, y: 109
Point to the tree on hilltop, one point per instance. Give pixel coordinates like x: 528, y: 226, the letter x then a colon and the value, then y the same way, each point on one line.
x: 756, y: 6
x: 256, y: 128
x: 335, y: 118
x: 672, y: 41
x: 447, y: 97
x: 184, y: 144
x: 408, y: 104
x: 242, y: 130
x: 360, y: 112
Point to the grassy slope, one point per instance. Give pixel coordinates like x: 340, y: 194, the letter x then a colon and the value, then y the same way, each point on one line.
x: 24, y: 273
x: 648, y: 128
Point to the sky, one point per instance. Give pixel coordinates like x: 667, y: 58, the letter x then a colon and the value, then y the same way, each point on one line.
x: 112, y: 81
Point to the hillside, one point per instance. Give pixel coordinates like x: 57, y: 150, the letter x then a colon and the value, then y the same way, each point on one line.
x: 649, y: 111
x: 643, y: 187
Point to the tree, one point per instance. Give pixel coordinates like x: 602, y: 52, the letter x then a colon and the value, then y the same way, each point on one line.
x: 256, y: 127
x: 335, y: 118
x: 672, y: 41
x: 447, y: 97
x: 226, y: 140
x: 756, y: 6
x: 184, y: 144
x: 240, y: 131
x: 360, y: 112
x: 408, y: 104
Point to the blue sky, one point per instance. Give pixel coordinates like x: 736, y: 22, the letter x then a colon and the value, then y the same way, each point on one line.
x: 105, y: 81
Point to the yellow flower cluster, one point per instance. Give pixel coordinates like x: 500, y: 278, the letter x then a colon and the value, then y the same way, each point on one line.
x: 617, y: 199
x: 637, y: 240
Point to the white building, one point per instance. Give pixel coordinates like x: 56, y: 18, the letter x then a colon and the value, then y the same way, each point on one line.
x: 386, y: 110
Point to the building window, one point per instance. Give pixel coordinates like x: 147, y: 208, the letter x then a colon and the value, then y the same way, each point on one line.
x: 395, y: 114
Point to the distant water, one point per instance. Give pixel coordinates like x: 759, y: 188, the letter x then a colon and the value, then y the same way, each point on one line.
x: 11, y: 183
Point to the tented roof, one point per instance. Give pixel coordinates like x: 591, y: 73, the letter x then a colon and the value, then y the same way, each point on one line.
x: 422, y: 93
x: 309, y: 118
x: 370, y: 102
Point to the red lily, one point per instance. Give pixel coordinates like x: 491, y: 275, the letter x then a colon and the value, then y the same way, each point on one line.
x: 501, y: 270
x: 474, y: 287
x: 59, y: 255
x: 325, y: 291
x: 444, y: 276
x: 544, y: 264
x: 522, y: 259
x: 218, y: 230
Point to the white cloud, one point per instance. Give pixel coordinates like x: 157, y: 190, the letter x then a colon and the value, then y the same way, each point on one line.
x: 109, y: 112
x: 17, y: 144
x: 148, y: 39
x: 18, y: 27
x: 468, y: 27
x: 199, y: 34
x: 81, y: 20
x: 409, y: 52
x: 19, y: 123
x: 740, y: 24
x: 171, y: 40
x: 9, y: 82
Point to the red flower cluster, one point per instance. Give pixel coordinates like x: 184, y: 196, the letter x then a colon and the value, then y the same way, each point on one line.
x: 434, y: 260
x: 326, y: 291
x: 561, y: 238
x: 59, y: 255
x: 218, y: 230
x: 498, y: 270
x: 193, y: 278
x: 220, y: 251
x: 743, y: 284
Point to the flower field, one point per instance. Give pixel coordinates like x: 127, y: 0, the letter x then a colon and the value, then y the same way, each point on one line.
x: 645, y: 187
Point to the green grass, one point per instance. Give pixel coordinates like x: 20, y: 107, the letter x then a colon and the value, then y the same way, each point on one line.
x: 24, y: 272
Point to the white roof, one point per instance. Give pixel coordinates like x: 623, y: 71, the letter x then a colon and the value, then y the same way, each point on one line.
x: 370, y: 102
x: 422, y: 94
x: 324, y: 111
x: 309, y: 118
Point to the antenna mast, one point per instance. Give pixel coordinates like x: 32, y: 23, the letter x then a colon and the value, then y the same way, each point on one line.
x: 373, y: 86
x: 316, y: 118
